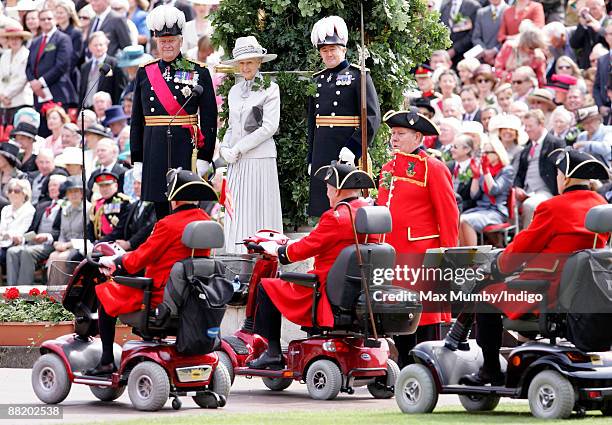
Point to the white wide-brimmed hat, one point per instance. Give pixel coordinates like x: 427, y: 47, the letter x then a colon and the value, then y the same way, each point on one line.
x: 511, y: 122
x: 248, y: 48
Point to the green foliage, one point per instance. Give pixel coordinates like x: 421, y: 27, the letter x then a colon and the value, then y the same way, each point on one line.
x: 399, y: 34
x: 40, y: 309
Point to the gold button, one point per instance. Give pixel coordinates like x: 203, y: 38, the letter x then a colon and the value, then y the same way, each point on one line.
x: 151, y: 98
x: 317, y: 106
x: 317, y: 95
x: 152, y: 109
x: 177, y: 87
x: 333, y: 114
x: 337, y: 92
x: 319, y: 85
x: 335, y: 103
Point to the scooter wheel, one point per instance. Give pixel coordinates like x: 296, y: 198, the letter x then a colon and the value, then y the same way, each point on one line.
x: 479, y: 403
x: 551, y: 396
x: 415, y: 390
x: 148, y: 386
x: 176, y: 403
x: 225, y: 359
x: 50, y: 380
x: 323, y: 380
x: 380, y: 389
x: 277, y: 384
x: 606, y: 408
x: 107, y: 393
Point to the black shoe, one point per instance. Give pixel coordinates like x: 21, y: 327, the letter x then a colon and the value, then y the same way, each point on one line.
x: 484, y: 377
x: 267, y: 361
x: 101, y: 370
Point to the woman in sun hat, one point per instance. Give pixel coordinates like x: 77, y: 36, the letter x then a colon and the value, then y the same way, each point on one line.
x: 509, y: 130
x: 9, y: 168
x: 15, y: 92
x: 249, y: 149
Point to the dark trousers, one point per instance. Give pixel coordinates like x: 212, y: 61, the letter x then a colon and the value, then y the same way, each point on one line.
x: 405, y: 343
x: 489, y: 330
x: 267, y: 317
x: 106, y: 325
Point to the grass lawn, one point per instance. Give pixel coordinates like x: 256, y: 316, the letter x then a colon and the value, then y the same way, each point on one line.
x: 503, y: 414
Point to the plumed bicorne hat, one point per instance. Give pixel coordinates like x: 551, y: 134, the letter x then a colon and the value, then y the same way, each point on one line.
x: 344, y: 176
x: 329, y: 31
x: 413, y: 120
x: 185, y: 185
x: 579, y: 165
x: 165, y: 21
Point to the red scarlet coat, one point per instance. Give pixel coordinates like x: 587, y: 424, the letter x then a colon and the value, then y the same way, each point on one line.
x: 333, y: 233
x: 158, y: 254
x: 557, y: 230
x: 419, y: 192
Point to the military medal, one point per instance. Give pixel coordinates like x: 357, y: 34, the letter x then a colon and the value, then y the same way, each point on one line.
x: 343, y: 80
x: 186, y: 91
x: 329, y: 78
x: 410, y: 169
x: 166, y: 74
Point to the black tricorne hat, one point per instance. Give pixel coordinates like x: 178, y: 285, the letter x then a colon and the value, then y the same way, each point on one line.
x: 185, y: 185
x: 580, y: 165
x: 10, y: 151
x: 412, y: 120
x: 344, y: 176
x: 421, y: 102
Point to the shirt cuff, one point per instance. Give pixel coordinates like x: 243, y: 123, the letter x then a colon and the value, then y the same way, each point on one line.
x: 43, y: 82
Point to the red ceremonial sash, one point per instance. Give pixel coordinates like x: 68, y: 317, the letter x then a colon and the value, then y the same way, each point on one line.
x: 166, y: 98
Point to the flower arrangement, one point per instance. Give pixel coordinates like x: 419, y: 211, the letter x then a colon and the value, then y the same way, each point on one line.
x: 39, y: 307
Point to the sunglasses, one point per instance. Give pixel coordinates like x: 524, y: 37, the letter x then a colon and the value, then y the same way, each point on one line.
x: 482, y: 80
x: 518, y: 81
x: 14, y: 190
x: 486, y: 152
x: 85, y: 18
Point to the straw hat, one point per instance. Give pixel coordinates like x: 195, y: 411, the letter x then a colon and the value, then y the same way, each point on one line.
x: 248, y: 48
x: 543, y: 95
x: 70, y: 156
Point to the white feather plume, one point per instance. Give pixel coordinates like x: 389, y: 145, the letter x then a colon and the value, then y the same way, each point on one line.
x: 165, y: 15
x: 326, y: 27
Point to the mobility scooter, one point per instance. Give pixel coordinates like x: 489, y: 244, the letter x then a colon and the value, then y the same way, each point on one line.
x: 350, y: 354
x: 556, y: 377
x: 152, y: 369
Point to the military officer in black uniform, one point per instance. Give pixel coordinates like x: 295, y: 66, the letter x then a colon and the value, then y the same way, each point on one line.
x: 334, y: 131
x: 162, y: 86
x: 108, y: 214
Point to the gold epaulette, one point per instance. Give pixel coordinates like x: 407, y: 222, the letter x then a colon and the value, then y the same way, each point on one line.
x: 202, y: 64
x: 359, y: 67
x: 142, y: 65
x: 123, y: 197
x: 435, y: 153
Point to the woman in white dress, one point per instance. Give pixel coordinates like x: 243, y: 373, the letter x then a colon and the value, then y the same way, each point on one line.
x: 249, y: 149
x: 198, y: 26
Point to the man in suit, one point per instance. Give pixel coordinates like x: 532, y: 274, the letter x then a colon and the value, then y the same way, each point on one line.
x: 112, y: 24
x: 107, y: 152
x: 48, y: 68
x: 91, y: 79
x: 39, y: 180
x: 590, y: 31
x: 21, y: 259
x: 469, y: 100
x: 459, y: 17
x: 486, y: 26
x: 536, y: 175
x: 140, y: 220
x: 601, y: 78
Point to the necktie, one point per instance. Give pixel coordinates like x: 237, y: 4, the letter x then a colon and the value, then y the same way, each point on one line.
x: 96, y: 24
x: 41, y: 48
x: 49, y: 209
x: 493, y: 12
x: 456, y: 171
x: 532, y: 151
x: 454, y: 8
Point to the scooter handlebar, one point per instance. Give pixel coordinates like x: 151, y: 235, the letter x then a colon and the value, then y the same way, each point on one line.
x: 93, y: 257
x: 255, y: 247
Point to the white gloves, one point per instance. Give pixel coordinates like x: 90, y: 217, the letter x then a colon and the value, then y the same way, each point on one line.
x: 202, y: 167
x: 270, y: 247
x: 309, y: 168
x: 230, y: 154
x: 108, y: 265
x: 346, y: 156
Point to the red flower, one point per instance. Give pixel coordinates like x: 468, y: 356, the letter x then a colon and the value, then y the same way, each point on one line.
x: 11, y: 293
x: 44, y: 293
x: 34, y: 292
x: 52, y: 299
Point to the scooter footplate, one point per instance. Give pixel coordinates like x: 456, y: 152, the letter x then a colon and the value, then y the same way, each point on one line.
x: 482, y: 390
x: 266, y: 373
x: 237, y: 345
